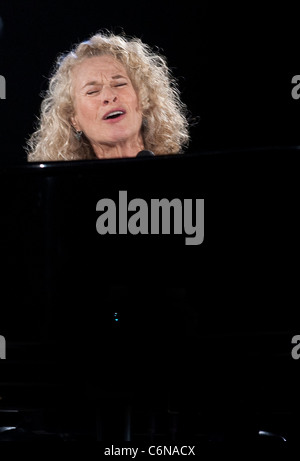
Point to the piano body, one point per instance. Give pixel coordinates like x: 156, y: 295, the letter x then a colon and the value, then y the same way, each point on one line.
x: 142, y: 337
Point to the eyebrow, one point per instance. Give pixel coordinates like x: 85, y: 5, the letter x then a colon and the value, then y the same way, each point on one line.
x: 95, y: 82
x: 114, y: 77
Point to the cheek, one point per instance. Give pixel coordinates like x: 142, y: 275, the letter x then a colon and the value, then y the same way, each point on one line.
x: 86, y: 110
x: 133, y: 101
x: 138, y: 112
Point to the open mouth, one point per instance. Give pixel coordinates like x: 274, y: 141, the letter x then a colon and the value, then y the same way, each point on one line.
x: 113, y: 115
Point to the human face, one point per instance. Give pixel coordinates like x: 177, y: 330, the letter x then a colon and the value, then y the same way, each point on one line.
x: 101, y: 87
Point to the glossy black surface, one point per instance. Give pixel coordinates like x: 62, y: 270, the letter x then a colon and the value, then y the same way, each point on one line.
x: 205, y: 331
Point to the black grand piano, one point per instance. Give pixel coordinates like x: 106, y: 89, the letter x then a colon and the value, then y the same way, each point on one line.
x: 139, y: 338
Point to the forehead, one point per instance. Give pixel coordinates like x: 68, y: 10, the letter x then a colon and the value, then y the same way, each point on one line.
x: 98, y: 68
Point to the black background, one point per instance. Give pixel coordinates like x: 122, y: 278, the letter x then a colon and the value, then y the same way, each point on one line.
x: 234, y: 63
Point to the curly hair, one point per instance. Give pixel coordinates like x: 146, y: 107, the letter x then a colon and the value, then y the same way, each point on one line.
x: 164, y: 127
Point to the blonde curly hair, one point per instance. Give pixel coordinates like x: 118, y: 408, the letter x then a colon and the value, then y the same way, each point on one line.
x: 165, y: 125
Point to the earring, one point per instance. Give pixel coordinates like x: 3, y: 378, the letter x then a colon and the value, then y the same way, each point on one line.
x: 78, y: 135
x: 144, y: 122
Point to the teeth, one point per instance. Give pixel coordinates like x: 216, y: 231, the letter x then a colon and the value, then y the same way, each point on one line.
x: 112, y: 114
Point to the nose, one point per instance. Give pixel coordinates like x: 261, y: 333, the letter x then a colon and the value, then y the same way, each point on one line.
x: 108, y: 95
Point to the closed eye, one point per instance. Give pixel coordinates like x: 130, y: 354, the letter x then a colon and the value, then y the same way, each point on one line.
x: 97, y: 91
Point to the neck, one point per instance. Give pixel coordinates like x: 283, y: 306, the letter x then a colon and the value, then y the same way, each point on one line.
x: 118, y: 150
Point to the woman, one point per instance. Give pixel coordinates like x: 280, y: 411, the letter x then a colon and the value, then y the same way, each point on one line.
x: 111, y: 96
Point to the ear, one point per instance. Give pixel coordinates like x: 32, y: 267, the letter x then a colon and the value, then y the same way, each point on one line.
x: 74, y: 123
